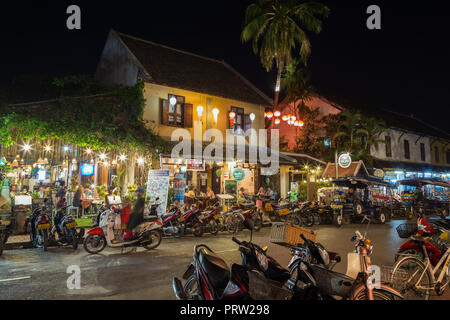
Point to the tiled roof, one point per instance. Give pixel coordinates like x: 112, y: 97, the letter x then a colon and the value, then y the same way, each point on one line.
x: 179, y: 69
x: 357, y: 168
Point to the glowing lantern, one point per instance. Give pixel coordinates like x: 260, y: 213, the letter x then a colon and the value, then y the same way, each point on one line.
x: 293, y: 118
x: 215, y: 113
x: 285, y: 118
x: 277, y: 113
x: 301, y: 123
x: 277, y: 121
x: 269, y: 115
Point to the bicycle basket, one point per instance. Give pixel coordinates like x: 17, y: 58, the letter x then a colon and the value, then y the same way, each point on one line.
x: 386, y: 275
x: 406, y: 230
x: 285, y: 233
x: 261, y: 288
x: 331, y: 282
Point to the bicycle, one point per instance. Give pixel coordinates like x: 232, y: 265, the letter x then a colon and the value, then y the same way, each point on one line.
x: 421, y: 277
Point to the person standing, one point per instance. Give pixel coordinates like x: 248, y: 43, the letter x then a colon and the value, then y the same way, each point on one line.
x: 61, y: 193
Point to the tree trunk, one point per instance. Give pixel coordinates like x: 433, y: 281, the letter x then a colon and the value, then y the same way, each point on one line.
x: 278, y: 84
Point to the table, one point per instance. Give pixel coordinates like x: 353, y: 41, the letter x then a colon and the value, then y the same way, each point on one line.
x: 225, y: 200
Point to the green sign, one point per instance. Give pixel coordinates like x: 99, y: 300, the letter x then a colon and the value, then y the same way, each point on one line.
x: 344, y: 160
x: 238, y: 174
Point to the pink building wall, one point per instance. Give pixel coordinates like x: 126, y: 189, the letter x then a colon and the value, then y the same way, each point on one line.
x: 289, y: 132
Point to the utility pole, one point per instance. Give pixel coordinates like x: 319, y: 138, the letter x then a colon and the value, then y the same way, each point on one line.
x: 336, y: 163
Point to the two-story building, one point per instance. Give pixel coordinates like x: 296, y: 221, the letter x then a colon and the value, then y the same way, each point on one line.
x: 183, y: 90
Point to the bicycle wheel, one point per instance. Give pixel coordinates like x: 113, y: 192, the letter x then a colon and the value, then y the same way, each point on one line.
x: 377, y: 295
x: 409, y: 274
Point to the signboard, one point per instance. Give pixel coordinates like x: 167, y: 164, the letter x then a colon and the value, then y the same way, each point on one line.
x: 238, y: 174
x: 195, y: 165
x: 158, y: 187
x: 231, y: 188
x: 179, y: 188
x: 268, y: 171
x: 87, y: 169
x: 379, y: 173
x: 345, y: 160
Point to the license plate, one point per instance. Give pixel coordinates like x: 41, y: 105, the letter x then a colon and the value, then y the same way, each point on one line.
x: 71, y: 225
x: 181, y: 219
x: 43, y: 226
x: 337, y: 206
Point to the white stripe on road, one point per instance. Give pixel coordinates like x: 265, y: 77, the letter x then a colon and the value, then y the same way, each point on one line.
x: 14, y: 279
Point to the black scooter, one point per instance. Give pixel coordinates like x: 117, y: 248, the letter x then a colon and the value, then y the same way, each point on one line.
x: 64, y: 230
x: 209, y: 278
x: 40, y: 224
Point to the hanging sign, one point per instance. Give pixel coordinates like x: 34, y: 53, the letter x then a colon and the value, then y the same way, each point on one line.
x: 379, y: 173
x: 158, y: 187
x: 345, y: 160
x: 238, y: 174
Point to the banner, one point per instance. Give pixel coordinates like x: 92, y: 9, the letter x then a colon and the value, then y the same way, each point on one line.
x: 158, y: 187
x: 179, y: 188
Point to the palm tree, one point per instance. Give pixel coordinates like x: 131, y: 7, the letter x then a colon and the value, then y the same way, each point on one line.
x: 296, y: 82
x: 347, y: 130
x: 273, y: 26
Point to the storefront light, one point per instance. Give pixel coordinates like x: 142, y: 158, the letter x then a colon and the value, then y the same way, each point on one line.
x: 200, y: 111
x: 215, y: 113
x: 252, y: 116
x: 173, y: 101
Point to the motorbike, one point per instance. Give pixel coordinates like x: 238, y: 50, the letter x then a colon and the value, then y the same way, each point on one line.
x: 64, y: 230
x: 435, y: 248
x: 148, y: 234
x: 40, y: 224
x: 209, y: 278
x: 354, y: 284
x: 171, y: 225
x: 191, y: 221
x: 210, y: 220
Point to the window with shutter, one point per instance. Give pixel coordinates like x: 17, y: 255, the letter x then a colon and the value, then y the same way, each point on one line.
x: 188, y: 115
x: 406, y: 147
x: 164, y: 111
x: 239, y: 121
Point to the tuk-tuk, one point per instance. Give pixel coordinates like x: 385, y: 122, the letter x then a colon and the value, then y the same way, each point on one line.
x: 364, y: 197
x: 426, y: 196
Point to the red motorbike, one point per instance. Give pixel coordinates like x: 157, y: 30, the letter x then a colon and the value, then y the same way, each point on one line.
x: 434, y: 247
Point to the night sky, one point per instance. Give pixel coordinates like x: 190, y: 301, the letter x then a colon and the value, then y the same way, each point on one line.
x: 403, y: 67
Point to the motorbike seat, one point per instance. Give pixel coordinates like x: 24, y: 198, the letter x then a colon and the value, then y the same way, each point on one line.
x: 276, y: 272
x: 215, y: 267
x: 150, y: 218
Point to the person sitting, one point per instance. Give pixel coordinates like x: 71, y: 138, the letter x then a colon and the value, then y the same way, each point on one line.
x: 189, y: 198
x: 136, y: 217
x: 270, y: 194
x: 211, y: 197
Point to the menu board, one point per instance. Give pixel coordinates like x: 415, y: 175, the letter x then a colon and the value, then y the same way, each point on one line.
x: 158, y: 187
x: 195, y: 165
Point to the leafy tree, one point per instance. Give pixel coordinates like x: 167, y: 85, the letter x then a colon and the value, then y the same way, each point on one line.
x: 275, y: 27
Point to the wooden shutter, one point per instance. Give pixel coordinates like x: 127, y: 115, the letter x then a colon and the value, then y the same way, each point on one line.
x: 188, y: 114
x: 164, y: 111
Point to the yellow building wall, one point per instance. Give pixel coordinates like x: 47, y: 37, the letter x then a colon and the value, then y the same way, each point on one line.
x: 153, y: 93
x: 442, y: 147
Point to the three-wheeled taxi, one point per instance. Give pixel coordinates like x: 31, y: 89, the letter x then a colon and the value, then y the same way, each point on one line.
x: 426, y: 196
x: 363, y: 197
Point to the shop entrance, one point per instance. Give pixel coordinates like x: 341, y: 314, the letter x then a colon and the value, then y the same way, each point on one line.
x: 216, y: 180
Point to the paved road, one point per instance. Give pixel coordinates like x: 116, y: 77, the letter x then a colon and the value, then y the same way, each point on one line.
x: 34, y: 274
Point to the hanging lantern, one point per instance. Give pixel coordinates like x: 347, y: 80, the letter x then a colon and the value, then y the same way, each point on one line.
x: 285, y: 117
x: 277, y: 113
x: 265, y: 114
x: 269, y: 115
x: 301, y: 123
x: 297, y: 123
x: 232, y: 115
x: 293, y: 118
x: 277, y: 121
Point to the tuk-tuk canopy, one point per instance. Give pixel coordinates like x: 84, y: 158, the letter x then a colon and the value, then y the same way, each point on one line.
x: 361, y: 182
x: 423, y: 182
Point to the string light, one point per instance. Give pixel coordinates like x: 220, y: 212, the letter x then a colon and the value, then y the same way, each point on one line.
x: 122, y: 157
x: 140, y: 161
x: 48, y: 148
x: 102, y: 156
x: 26, y: 147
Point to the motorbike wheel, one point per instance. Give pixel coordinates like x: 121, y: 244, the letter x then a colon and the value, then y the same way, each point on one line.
x: 74, y: 239
x: 198, y: 231
x: 337, y: 219
x: 381, y: 217
x: 307, y: 219
x: 213, y: 227
x: 155, y: 238
x: 45, y: 240
x: 295, y: 219
x: 191, y: 288
x: 94, y: 243
x: 317, y: 218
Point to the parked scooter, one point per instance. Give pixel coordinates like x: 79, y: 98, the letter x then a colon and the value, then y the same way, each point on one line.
x: 64, y: 230
x: 435, y: 248
x: 40, y: 224
x: 148, y: 234
x: 209, y: 278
